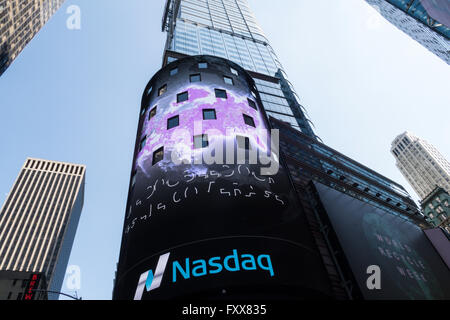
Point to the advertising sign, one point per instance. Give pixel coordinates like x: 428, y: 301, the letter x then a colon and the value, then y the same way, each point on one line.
x: 32, y: 285
x: 201, y: 218
x: 396, y: 249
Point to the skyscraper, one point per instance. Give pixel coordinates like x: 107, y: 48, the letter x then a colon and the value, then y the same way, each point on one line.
x: 206, y: 219
x: 39, y: 219
x: 20, y: 20
x: 426, y: 21
x: 421, y: 164
x: 228, y: 29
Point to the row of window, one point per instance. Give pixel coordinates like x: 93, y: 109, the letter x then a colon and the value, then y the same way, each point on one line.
x: 200, y: 142
x: 208, y: 114
x: 184, y: 96
x: 194, y: 77
x: 253, y: 56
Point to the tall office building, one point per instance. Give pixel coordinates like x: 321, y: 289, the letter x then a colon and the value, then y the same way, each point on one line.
x: 423, y: 166
x: 228, y: 29
x: 207, y: 217
x: 426, y: 21
x: 20, y: 20
x: 39, y: 219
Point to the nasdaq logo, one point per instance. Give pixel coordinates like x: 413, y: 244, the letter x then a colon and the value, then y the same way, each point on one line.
x: 187, y: 269
x: 150, y: 281
x: 216, y: 265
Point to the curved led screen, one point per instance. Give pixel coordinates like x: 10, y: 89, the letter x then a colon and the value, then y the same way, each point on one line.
x: 211, y: 211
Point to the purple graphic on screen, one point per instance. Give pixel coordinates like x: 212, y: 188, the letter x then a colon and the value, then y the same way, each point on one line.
x: 228, y: 123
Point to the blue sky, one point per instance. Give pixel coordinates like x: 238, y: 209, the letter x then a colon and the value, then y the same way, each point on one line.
x: 74, y: 95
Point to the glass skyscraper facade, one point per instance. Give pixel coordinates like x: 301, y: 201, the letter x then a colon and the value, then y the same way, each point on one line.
x: 228, y: 29
x: 222, y: 85
x: 426, y: 21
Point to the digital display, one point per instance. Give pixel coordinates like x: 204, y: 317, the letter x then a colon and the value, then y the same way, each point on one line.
x: 225, y: 120
x: 410, y: 267
x: 185, y: 218
x: 32, y: 285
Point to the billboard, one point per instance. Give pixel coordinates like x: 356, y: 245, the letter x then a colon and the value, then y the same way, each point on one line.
x: 410, y: 267
x: 32, y: 286
x: 203, y: 219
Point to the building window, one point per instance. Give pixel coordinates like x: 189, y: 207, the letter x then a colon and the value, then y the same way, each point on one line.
x: 221, y: 93
x: 158, y: 155
x: 249, y: 121
x: 252, y: 104
x: 228, y: 80
x: 162, y: 90
x: 173, y: 122
x: 152, y: 113
x: 234, y: 71
x: 201, y: 141
x: 181, y: 97
x: 142, y: 144
x: 174, y: 71
x: 209, y: 114
x: 195, y: 77
x: 243, y: 142
x: 203, y: 65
